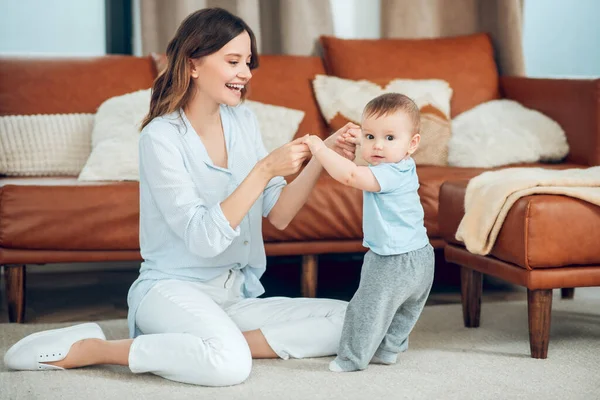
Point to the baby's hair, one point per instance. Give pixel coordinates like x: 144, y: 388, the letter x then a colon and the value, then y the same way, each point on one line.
x: 390, y: 103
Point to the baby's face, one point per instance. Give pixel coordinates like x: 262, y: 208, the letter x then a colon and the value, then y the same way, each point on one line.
x: 387, y: 139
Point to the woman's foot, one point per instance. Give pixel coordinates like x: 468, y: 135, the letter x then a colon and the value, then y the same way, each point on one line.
x: 53, y: 349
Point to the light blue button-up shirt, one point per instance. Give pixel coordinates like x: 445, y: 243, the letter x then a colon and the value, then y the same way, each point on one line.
x: 393, y: 217
x: 183, y: 232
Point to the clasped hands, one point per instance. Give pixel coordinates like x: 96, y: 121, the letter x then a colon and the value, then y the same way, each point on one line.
x: 288, y: 159
x: 343, y: 141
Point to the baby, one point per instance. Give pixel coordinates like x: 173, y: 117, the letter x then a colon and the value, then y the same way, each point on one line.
x: 397, y: 271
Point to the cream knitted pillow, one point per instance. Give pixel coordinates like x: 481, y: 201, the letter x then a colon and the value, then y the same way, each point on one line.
x: 44, y: 145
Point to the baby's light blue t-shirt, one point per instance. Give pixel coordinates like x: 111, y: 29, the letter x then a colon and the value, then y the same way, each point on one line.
x: 393, y: 217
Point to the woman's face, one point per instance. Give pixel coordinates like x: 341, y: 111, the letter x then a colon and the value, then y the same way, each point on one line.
x: 222, y: 75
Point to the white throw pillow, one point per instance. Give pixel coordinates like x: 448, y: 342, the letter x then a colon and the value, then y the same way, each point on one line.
x: 278, y: 125
x: 115, y: 136
x: 503, y: 132
x: 44, y: 145
x: 115, y: 153
x: 349, y: 97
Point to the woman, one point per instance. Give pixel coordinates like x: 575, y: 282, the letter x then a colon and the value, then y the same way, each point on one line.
x: 206, y: 181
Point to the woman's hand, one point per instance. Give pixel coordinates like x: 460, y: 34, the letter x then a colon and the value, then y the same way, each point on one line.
x: 287, y: 159
x: 314, y: 143
x: 344, y: 141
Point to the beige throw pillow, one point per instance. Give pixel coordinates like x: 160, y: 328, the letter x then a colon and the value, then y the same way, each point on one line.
x: 435, y: 136
x: 343, y: 100
x: 44, y: 145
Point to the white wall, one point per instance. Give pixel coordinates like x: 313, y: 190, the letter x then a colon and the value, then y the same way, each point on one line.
x: 52, y: 27
x: 562, y: 38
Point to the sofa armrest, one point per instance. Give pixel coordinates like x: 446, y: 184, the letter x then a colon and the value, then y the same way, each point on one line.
x: 573, y: 103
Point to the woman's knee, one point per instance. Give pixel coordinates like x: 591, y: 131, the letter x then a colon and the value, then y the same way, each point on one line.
x: 230, y: 364
x: 233, y: 371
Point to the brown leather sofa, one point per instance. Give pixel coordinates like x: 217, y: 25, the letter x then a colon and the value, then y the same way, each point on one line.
x: 61, y: 220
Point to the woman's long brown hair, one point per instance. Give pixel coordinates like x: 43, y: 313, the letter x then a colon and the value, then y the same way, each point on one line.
x: 202, y: 33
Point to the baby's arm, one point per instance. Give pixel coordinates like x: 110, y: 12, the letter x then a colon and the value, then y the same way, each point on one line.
x: 341, y: 169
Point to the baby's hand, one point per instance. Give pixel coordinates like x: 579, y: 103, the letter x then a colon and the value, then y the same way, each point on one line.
x: 314, y: 143
x: 352, y: 136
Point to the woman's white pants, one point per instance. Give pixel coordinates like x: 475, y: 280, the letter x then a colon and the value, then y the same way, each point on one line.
x: 192, y: 332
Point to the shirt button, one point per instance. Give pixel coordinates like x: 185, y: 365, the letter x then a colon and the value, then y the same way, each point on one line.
x: 245, y: 243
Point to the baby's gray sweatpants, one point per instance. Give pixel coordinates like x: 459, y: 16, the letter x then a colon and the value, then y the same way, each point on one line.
x: 385, y: 308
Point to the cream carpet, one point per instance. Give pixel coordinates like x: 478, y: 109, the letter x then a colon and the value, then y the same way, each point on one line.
x: 444, y: 361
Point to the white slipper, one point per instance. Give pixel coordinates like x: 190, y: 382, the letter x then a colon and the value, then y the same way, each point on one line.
x: 31, y: 352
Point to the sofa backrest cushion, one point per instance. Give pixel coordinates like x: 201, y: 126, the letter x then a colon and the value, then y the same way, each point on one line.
x: 34, y: 85
x: 465, y: 62
x: 285, y: 80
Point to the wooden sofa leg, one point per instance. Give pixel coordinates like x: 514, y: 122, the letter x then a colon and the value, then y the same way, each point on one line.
x: 539, y: 304
x: 471, y: 283
x: 310, y: 267
x: 15, y: 292
x: 567, y: 293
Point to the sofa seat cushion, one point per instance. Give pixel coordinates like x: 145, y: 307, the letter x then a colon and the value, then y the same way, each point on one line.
x: 62, y: 213
x: 540, y: 231
x: 66, y: 214
x: 334, y: 211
